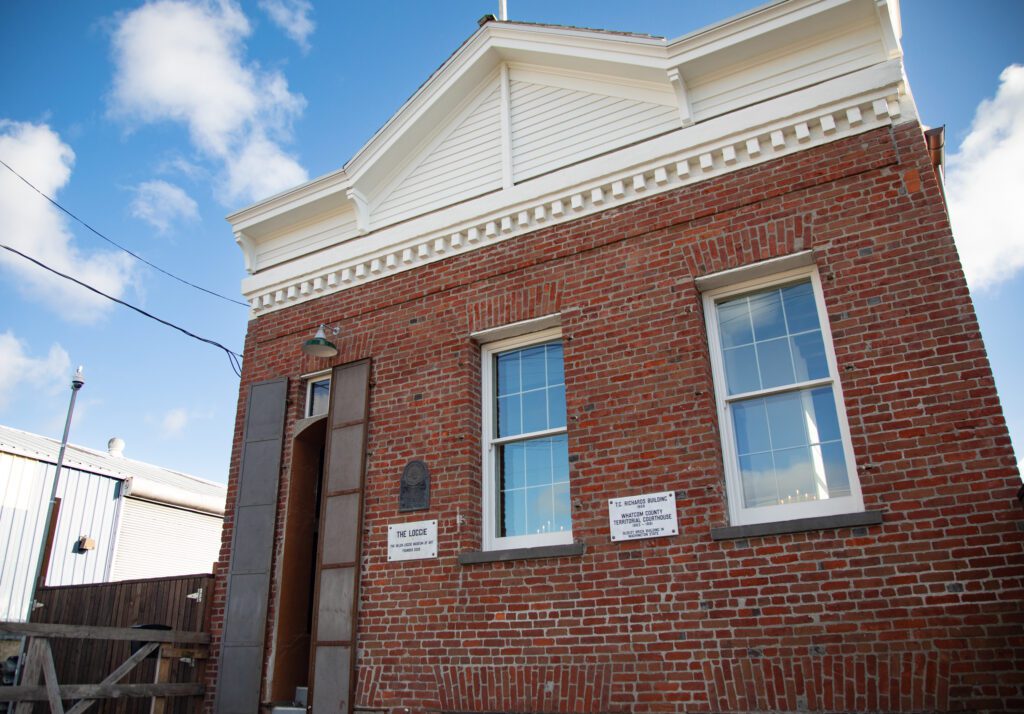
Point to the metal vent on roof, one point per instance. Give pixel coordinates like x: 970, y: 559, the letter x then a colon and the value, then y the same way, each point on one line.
x: 115, y: 447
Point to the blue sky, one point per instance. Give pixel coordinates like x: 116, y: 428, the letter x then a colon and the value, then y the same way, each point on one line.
x: 148, y: 121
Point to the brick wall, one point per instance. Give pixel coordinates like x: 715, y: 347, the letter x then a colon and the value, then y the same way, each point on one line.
x: 921, y: 613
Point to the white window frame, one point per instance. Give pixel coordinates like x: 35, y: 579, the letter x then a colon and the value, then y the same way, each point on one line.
x: 757, y: 280
x: 490, y: 491
x: 323, y: 376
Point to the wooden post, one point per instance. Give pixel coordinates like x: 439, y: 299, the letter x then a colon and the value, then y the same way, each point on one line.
x: 50, y: 678
x: 33, y: 669
x: 163, y: 676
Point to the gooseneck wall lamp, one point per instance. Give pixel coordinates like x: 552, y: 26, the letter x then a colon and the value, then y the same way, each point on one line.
x: 320, y: 346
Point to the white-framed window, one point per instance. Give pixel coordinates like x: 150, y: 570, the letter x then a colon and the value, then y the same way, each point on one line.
x: 785, y: 439
x: 525, y: 445
x: 318, y: 393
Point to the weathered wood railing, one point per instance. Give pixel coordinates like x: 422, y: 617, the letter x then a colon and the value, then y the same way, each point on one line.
x: 170, y: 645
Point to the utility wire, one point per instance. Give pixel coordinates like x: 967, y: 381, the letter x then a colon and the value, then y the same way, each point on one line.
x: 234, y: 358
x: 118, y: 245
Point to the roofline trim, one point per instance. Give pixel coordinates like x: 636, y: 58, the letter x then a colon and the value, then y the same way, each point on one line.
x: 842, y: 107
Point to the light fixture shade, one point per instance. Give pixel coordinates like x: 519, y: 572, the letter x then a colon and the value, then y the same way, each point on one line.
x: 319, y: 346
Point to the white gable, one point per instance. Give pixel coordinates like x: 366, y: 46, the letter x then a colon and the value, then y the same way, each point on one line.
x: 557, y: 120
x: 461, y: 161
x: 552, y: 119
x: 527, y: 126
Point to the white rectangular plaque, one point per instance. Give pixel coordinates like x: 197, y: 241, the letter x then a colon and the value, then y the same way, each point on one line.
x: 651, y: 515
x: 412, y: 541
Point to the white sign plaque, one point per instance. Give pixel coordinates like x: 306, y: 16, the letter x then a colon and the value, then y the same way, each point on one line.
x: 652, y: 515
x: 412, y: 541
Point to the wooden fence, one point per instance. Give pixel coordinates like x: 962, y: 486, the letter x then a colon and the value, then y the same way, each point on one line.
x: 41, y: 683
x: 179, y: 603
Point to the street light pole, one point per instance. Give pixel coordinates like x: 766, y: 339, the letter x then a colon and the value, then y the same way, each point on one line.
x: 77, y: 380
x: 76, y: 383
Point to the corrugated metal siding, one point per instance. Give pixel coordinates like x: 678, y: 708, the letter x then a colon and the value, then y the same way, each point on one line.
x: 88, y: 507
x: 466, y: 163
x: 555, y: 126
x: 157, y: 540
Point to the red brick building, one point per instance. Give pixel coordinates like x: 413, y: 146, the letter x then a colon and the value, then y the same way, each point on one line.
x: 656, y: 387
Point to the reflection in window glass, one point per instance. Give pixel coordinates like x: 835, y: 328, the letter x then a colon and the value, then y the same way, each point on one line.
x: 534, y: 486
x: 319, y: 397
x: 771, y: 338
x: 531, y: 390
x: 533, y: 472
x: 788, y: 442
x: 790, y: 448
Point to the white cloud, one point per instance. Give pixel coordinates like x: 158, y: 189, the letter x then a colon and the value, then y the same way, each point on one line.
x: 184, y: 61
x: 35, y: 227
x: 261, y: 169
x: 174, y: 422
x: 17, y: 368
x: 292, y: 16
x: 985, y: 183
x: 161, y: 204
x: 177, y: 164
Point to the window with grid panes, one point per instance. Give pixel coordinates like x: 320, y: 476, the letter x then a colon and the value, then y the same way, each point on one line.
x: 785, y: 440
x: 526, y: 455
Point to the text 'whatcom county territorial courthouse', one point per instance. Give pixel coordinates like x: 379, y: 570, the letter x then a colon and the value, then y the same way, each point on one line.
x: 650, y: 381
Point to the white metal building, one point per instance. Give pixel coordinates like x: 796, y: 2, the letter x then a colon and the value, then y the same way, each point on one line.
x: 118, y: 519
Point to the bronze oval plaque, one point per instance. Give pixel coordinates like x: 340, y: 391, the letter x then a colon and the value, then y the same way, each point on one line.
x: 414, y: 493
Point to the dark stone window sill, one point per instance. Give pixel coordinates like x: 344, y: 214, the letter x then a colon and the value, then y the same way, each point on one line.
x: 800, y: 525
x: 472, y: 557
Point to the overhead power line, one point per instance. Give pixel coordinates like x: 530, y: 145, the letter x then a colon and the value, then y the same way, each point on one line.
x: 234, y: 358
x: 118, y: 245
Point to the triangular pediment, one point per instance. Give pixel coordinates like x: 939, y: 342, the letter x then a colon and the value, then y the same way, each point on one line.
x: 460, y: 160
x: 560, y: 119
x: 523, y: 121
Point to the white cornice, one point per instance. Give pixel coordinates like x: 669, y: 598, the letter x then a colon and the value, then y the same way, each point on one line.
x: 648, y: 91
x: 778, y: 63
x: 675, y: 77
x: 842, y: 107
x: 248, y: 248
x: 496, y: 42
x: 252, y: 220
x: 570, y: 42
x: 740, y: 28
x: 889, y: 20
